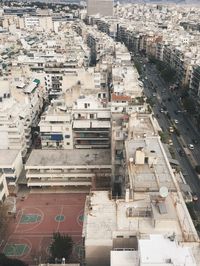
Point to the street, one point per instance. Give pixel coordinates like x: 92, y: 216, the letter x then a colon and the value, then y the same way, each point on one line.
x: 156, y: 89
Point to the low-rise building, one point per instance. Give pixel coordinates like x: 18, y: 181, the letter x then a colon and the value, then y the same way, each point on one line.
x: 11, y: 165
x: 69, y: 168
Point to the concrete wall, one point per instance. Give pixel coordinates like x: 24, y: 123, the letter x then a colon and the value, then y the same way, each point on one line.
x: 3, y: 184
x: 98, y: 255
x: 18, y: 165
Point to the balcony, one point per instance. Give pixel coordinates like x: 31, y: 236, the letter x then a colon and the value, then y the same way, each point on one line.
x: 58, y: 182
x: 56, y: 176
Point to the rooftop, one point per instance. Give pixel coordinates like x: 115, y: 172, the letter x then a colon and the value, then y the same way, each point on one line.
x: 57, y: 158
x: 153, y: 171
x: 7, y: 157
x: 158, y: 250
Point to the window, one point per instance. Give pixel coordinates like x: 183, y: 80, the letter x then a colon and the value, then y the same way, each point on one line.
x: 120, y: 237
x: 86, y: 105
x: 91, y: 116
x: 67, y: 136
x: 68, y: 143
x: 1, y: 186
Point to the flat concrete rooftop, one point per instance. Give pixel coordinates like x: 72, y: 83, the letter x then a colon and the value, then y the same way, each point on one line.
x: 7, y: 157
x: 69, y: 157
x: 145, y: 176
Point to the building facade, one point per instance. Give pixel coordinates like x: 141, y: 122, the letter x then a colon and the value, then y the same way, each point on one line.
x: 102, y: 7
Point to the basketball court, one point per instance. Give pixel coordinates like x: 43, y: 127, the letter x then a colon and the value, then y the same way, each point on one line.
x: 37, y: 217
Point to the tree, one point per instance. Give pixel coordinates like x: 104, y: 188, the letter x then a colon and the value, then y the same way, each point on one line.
x: 197, y: 168
x: 5, y: 261
x: 189, y: 105
x: 3, y: 220
x: 61, y: 246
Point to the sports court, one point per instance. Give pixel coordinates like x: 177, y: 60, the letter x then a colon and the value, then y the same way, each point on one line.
x: 38, y: 216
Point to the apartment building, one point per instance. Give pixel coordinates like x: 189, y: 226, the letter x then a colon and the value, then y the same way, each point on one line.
x: 152, y: 206
x: 195, y: 80
x: 153, y: 250
x: 102, y: 7
x: 10, y: 166
x: 56, y: 127
x: 21, y: 105
x: 91, y: 123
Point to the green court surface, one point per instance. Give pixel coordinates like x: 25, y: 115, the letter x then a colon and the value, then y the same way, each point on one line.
x: 30, y: 218
x: 15, y: 249
x: 81, y: 218
x: 60, y: 218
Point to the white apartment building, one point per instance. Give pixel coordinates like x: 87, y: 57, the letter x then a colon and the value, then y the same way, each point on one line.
x: 81, y: 169
x: 56, y: 126
x: 91, y: 122
x: 31, y: 22
x: 154, y: 250
x: 20, y: 106
x: 11, y: 165
x: 84, y: 125
x: 120, y: 224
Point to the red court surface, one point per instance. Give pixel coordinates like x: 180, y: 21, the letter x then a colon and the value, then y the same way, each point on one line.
x: 36, y: 221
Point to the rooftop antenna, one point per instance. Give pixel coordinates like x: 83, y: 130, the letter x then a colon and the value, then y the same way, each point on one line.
x: 163, y: 192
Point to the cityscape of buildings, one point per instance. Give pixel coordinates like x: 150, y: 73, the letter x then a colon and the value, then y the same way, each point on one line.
x: 80, y: 113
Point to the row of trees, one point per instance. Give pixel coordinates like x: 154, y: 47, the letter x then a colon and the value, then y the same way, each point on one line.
x: 167, y: 73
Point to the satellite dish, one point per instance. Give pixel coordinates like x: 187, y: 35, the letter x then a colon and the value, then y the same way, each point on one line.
x: 163, y: 191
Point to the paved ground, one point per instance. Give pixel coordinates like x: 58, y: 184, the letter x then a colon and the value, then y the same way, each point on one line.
x: 38, y: 216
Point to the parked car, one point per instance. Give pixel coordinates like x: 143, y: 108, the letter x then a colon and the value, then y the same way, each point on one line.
x: 194, y: 197
x: 191, y: 146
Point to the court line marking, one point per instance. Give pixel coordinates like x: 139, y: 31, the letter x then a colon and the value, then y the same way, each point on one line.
x: 61, y: 211
x: 35, y: 225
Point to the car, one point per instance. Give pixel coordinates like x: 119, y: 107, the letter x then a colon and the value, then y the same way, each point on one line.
x: 171, y: 129
x: 187, y: 196
x: 176, y: 121
x: 154, y: 94
x: 191, y: 146
x: 161, y: 110
x: 170, y: 142
x: 194, y: 197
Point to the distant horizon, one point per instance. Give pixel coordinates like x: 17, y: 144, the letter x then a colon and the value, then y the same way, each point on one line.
x: 185, y: 2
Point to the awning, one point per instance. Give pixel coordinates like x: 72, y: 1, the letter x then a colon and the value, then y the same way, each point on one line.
x: 185, y: 187
x: 81, y: 124
x: 173, y: 161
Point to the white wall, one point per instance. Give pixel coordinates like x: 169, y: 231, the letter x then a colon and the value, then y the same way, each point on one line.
x: 4, y: 190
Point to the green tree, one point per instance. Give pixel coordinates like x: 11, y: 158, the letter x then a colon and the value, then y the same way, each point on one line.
x: 5, y: 261
x: 189, y: 105
x: 61, y: 246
